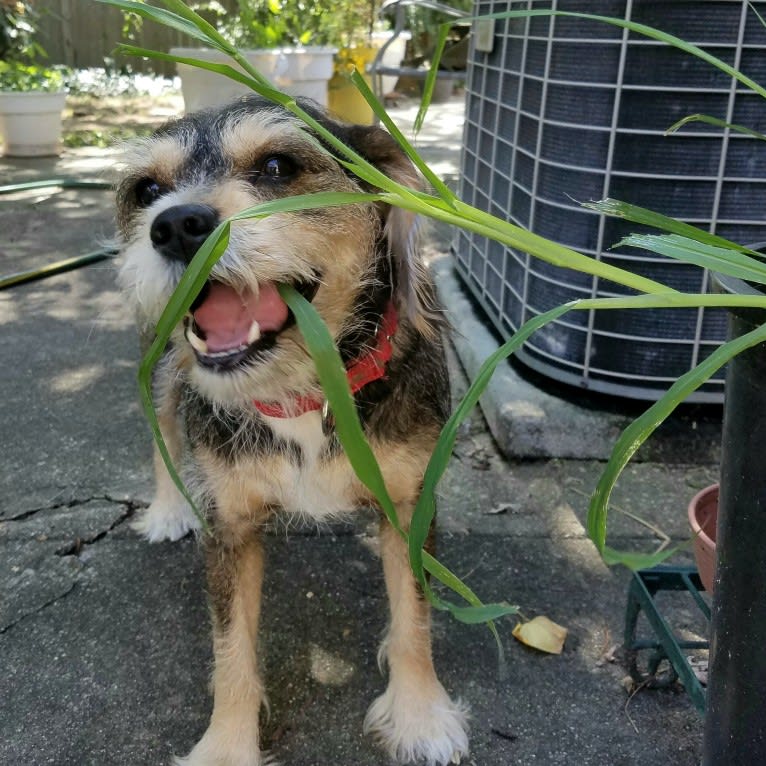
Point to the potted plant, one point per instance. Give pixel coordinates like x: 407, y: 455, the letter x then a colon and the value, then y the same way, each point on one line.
x: 32, y: 97
x: 285, y: 40
x: 32, y: 100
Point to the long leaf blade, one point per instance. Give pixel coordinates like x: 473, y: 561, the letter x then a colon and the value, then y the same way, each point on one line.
x: 332, y: 377
x: 709, y: 120
x: 640, y: 430
x: 425, y: 508
x: 645, y: 217
x: 735, y: 264
x: 633, y: 26
x: 439, y: 186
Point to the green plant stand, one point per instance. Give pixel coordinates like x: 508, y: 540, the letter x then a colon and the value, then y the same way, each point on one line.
x: 665, y: 645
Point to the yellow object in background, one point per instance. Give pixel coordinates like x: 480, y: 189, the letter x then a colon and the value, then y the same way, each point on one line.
x: 343, y: 99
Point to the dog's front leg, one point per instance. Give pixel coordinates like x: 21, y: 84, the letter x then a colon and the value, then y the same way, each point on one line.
x: 169, y: 517
x: 414, y: 719
x: 235, y: 576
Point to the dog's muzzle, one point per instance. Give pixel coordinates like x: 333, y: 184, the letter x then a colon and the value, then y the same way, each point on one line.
x: 227, y: 327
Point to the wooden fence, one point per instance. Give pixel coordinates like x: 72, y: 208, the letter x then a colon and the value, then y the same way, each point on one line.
x: 83, y: 33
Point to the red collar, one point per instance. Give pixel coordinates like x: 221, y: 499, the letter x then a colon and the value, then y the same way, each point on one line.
x: 370, y: 367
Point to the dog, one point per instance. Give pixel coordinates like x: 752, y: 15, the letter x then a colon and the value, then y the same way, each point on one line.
x: 237, y: 390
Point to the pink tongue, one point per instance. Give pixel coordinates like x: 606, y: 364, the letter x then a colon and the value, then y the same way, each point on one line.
x: 226, y: 315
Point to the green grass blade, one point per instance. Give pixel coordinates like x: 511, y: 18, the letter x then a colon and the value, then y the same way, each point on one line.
x: 635, y: 561
x: 312, y: 201
x: 426, y: 506
x: 633, y: 26
x: 735, y: 264
x: 757, y: 14
x: 551, y: 252
x: 454, y: 583
x: 433, y: 72
x: 706, y: 118
x: 332, y: 377
x: 161, y: 16
x: 260, y: 86
x: 641, y: 428
x: 183, y: 296
x: 441, y: 189
x: 206, y: 30
x: 673, y: 301
x: 641, y: 215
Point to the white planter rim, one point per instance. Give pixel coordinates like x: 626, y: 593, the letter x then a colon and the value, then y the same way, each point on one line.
x: 33, y: 102
x: 31, y: 94
x: 203, y: 53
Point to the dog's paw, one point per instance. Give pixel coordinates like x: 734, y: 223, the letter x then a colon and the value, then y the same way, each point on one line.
x: 216, y: 750
x: 415, y: 727
x: 222, y: 760
x: 166, y: 521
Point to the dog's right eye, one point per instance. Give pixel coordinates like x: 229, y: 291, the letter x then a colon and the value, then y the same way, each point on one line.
x: 148, y: 191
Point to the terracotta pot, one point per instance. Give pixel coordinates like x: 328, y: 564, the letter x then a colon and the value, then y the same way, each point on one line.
x: 703, y: 518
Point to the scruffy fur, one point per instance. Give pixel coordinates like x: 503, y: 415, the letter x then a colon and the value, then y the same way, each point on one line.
x: 352, y: 261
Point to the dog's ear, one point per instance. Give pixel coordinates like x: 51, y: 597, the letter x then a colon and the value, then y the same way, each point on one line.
x: 402, y: 228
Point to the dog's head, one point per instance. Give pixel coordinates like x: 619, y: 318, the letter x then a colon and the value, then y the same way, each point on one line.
x: 240, y: 339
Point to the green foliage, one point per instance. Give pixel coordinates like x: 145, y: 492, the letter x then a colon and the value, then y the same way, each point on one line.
x: 348, y: 23
x: 100, y: 82
x: 18, y: 27
x: 102, y: 139
x: 29, y: 77
x: 280, y: 23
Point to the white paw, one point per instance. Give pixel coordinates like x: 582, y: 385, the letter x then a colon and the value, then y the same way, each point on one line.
x: 222, y: 760
x: 417, y: 728
x: 166, y: 521
x: 216, y: 748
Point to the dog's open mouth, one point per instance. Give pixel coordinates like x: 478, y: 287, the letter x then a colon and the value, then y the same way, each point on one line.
x: 227, y: 327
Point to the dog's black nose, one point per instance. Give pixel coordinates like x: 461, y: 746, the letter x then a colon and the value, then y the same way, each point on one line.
x: 178, y: 232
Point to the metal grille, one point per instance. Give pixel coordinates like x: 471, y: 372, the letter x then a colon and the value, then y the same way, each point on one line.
x: 565, y: 110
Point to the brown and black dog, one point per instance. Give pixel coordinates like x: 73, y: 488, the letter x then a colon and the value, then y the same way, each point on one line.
x: 237, y: 389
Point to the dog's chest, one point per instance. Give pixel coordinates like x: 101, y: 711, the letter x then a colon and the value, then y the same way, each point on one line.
x: 312, y: 480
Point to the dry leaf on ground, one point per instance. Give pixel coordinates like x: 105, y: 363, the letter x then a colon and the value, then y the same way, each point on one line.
x: 541, y: 633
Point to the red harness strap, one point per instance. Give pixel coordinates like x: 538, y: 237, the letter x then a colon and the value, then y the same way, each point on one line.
x: 370, y: 367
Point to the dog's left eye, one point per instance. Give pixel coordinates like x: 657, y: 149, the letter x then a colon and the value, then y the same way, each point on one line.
x: 148, y: 191
x: 277, y: 167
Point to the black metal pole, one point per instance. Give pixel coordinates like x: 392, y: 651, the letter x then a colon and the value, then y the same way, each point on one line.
x: 735, y: 724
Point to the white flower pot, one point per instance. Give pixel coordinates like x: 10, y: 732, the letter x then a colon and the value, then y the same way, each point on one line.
x: 296, y: 71
x: 30, y: 123
x: 392, y: 56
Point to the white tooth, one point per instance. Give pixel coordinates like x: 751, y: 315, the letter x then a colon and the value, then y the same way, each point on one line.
x: 255, y: 332
x: 195, y: 341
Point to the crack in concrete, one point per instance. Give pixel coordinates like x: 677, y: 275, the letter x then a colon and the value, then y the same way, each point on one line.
x: 76, y: 547
x: 32, y: 580
x: 38, y: 609
x: 133, y: 505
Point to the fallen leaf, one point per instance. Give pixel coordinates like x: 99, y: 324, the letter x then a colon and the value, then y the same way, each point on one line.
x: 541, y: 633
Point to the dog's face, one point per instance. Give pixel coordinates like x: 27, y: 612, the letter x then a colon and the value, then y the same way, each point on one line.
x: 240, y: 339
